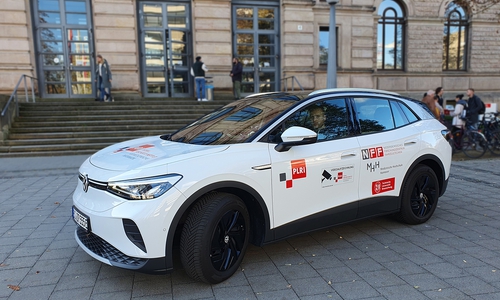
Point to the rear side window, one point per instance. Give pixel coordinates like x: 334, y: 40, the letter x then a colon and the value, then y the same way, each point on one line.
x: 377, y: 114
x: 374, y: 115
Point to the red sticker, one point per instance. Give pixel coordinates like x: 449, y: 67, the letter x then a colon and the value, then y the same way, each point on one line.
x: 289, y: 184
x: 299, y: 169
x: 383, y: 185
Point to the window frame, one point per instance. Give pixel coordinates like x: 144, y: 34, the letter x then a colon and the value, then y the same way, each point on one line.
x: 463, y: 24
x: 326, y: 28
x: 397, y: 22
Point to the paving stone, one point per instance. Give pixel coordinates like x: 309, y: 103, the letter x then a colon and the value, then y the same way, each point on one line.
x: 287, y: 294
x: 403, y: 267
x: 268, y: 283
x: 65, y: 294
x: 192, y: 291
x: 108, y: 285
x: 77, y: 281
x: 445, y: 270
x: 156, y: 285
x: 32, y: 293
x: 470, y: 285
x: 357, y: 289
x: 259, y: 269
x: 381, y: 278
x: 425, y: 281
x: 244, y: 292
x: 363, y: 265
x: 447, y: 294
x: 398, y: 292
x: 310, y: 286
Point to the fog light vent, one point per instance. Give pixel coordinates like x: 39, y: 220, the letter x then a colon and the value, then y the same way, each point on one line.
x: 133, y: 234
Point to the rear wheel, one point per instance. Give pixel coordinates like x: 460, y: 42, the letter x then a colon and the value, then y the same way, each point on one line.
x: 215, y: 237
x: 474, y: 144
x: 419, y: 196
x: 495, y: 142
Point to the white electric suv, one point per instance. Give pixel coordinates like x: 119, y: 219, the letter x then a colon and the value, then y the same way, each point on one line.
x: 258, y: 170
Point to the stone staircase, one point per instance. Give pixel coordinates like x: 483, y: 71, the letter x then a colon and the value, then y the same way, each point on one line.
x: 52, y: 127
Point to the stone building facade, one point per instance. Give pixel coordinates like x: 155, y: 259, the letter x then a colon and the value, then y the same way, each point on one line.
x: 151, y: 45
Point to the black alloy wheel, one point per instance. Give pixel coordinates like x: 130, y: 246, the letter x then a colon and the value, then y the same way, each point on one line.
x: 215, y: 237
x: 420, y: 196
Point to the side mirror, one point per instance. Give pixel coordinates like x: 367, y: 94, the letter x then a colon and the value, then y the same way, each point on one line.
x: 295, y: 136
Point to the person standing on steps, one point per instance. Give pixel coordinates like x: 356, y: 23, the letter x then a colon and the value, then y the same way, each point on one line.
x: 198, y: 71
x: 103, y: 79
x: 236, y: 78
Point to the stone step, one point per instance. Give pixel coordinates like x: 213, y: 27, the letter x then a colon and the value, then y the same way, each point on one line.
x: 84, y: 135
x: 111, y: 106
x: 91, y: 147
x: 132, y: 117
x: 110, y: 128
x: 116, y: 112
x: 98, y: 123
x: 70, y: 141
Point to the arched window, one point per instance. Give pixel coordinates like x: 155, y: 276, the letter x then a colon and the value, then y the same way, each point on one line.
x: 455, y: 38
x: 391, y: 37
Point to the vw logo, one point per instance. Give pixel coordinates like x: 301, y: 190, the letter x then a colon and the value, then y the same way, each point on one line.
x: 85, y: 183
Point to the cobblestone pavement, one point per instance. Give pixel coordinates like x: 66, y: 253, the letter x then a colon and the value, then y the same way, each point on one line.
x: 456, y: 255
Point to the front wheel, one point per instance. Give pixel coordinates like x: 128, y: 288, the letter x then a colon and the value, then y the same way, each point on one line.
x: 419, y: 196
x: 215, y: 237
x: 474, y: 144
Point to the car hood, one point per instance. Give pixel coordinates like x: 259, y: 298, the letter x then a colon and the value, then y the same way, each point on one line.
x: 146, y: 153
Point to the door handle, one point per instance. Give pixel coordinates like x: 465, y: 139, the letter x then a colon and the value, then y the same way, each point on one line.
x: 410, y: 142
x: 347, y: 154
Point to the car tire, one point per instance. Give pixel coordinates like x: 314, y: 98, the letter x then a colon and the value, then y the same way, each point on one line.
x: 214, y: 237
x: 419, y: 196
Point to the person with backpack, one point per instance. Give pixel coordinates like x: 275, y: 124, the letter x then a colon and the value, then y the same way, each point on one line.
x: 475, y: 107
x: 198, y: 71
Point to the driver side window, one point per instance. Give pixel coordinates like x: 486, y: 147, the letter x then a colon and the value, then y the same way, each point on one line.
x: 327, y: 118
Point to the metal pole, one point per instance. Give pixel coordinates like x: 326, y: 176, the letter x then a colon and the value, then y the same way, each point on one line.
x: 331, y: 75
x: 26, y: 89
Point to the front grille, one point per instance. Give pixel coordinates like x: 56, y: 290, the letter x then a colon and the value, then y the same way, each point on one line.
x: 104, y: 249
x: 100, y: 185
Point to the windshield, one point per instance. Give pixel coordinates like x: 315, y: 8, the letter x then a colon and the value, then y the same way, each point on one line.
x: 236, y: 122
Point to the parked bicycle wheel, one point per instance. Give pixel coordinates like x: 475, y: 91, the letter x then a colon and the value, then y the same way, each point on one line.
x: 474, y: 144
x: 494, y: 142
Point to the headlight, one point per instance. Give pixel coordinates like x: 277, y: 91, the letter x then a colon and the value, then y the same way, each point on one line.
x: 144, y: 188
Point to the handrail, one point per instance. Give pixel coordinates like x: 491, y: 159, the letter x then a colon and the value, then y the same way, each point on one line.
x: 294, y: 79
x: 13, y: 96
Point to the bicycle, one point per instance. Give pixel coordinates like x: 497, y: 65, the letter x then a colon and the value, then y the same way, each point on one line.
x: 490, y: 127
x: 471, y: 142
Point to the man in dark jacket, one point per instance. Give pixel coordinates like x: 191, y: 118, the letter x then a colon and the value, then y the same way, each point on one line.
x: 236, y: 77
x: 103, y: 79
x: 474, y: 105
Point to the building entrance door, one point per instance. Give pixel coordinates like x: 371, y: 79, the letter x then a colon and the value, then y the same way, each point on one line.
x: 64, y: 46
x: 256, y: 44
x: 165, y: 49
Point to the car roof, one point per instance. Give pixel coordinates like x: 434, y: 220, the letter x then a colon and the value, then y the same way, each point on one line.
x: 351, y: 90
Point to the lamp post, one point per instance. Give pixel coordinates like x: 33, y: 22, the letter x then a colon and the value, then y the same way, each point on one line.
x: 331, y: 70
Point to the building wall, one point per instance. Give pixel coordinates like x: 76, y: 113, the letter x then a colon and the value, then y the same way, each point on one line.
x: 15, y: 43
x: 116, y: 38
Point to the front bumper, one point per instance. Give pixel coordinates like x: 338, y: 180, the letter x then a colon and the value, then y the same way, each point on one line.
x: 106, y: 253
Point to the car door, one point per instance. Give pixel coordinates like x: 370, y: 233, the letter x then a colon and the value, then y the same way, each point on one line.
x: 388, y: 144
x: 318, y: 179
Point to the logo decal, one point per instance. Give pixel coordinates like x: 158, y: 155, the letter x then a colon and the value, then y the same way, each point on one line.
x: 371, y: 153
x: 384, y: 185
x: 372, y: 166
x: 134, y: 149
x: 86, y: 183
x: 299, y: 170
x: 337, y: 175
